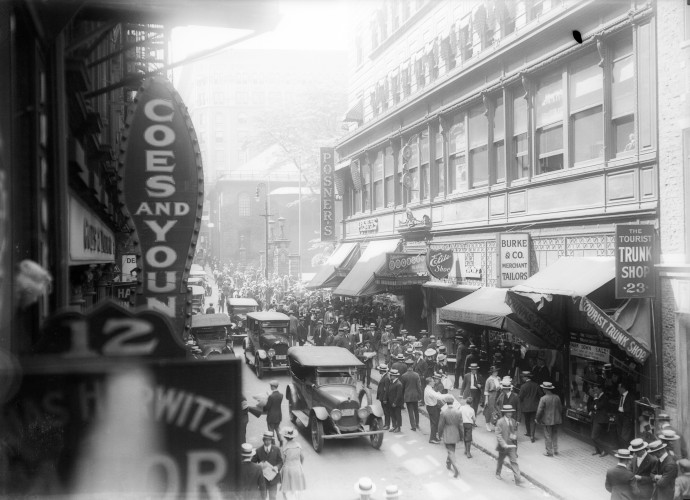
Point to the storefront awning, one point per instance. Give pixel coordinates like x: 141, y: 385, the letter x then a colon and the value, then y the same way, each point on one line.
x: 570, y: 276
x: 487, y: 307
x: 331, y: 273
x: 360, y: 281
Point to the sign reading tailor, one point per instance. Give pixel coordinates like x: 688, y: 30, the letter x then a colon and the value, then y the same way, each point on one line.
x: 162, y: 185
x: 634, y: 261
x: 513, y: 258
x: 327, y: 194
x: 439, y: 262
x: 405, y: 263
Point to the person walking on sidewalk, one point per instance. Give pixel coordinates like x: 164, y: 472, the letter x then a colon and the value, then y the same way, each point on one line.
x: 529, y: 401
x: 274, y: 414
x: 642, y: 466
x: 492, y: 386
x: 292, y: 474
x: 469, y: 421
x: 431, y: 400
x: 598, y: 410
x: 506, y: 435
x: 550, y: 415
x: 460, y: 356
x: 412, y: 394
x: 619, y: 477
x: 682, y: 489
x: 382, y: 394
x: 270, y: 458
x: 396, y: 400
x: 508, y: 397
x: 472, y: 385
x: 664, y: 476
x: 450, y: 429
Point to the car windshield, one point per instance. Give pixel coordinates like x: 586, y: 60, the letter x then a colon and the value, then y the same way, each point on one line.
x: 209, y: 336
x: 335, y: 377
x: 274, y: 330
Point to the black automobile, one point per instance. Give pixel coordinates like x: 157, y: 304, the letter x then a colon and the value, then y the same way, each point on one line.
x: 237, y: 310
x: 211, y: 334
x: 266, y: 345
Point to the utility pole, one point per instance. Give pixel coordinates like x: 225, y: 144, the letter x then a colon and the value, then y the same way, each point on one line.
x: 265, y: 215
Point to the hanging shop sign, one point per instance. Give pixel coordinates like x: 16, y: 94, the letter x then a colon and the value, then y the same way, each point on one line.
x: 405, y: 263
x: 162, y: 186
x: 129, y: 266
x: 368, y: 226
x: 634, y: 261
x: 439, y: 262
x: 90, y: 240
x: 606, y: 325
x: 513, y: 258
x: 328, y: 194
x: 593, y: 352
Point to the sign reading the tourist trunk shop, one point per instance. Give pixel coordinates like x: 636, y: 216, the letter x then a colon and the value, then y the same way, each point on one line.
x: 162, y: 185
x: 439, y: 262
x: 513, y: 258
x: 327, y: 194
x: 634, y: 261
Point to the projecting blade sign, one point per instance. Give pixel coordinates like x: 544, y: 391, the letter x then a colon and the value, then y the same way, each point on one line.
x: 439, y: 262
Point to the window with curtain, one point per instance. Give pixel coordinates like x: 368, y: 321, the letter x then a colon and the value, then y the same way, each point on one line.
x: 366, y: 187
x: 439, y: 165
x: 479, y: 147
x: 424, y: 173
x: 586, y: 99
x: 520, y: 155
x: 498, y: 161
x: 457, y: 156
x: 378, y: 181
x: 244, y: 204
x: 549, y: 124
x: 623, y: 95
x: 389, y: 177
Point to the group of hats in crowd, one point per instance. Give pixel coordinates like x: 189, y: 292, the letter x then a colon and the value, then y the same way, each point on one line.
x: 248, y: 450
x: 365, y: 487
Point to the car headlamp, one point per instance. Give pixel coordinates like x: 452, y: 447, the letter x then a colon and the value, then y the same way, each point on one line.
x: 336, y: 415
x: 271, y: 353
x: 363, y: 413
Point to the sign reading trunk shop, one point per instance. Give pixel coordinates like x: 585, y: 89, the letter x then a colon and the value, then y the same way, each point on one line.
x: 327, y: 194
x: 162, y: 185
x: 634, y: 261
x: 513, y: 258
x: 439, y: 262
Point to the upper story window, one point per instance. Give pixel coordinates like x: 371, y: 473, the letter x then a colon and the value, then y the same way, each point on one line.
x: 457, y: 156
x: 549, y: 124
x: 499, y: 143
x: 389, y: 176
x: 244, y: 204
x: 439, y: 165
x: 519, y: 165
x: 479, y: 147
x: 424, y: 171
x: 413, y: 169
x: 586, y: 98
x: 366, y: 186
x: 623, y: 95
x: 378, y: 181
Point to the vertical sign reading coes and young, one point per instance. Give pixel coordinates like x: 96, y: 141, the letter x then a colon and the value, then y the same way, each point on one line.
x: 327, y: 194
x: 634, y: 261
x: 162, y: 185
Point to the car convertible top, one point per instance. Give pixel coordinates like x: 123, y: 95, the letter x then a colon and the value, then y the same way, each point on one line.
x: 323, y: 356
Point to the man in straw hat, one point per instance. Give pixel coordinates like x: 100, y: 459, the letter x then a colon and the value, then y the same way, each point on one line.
x: 395, y: 400
x: 451, y: 431
x: 506, y: 435
x: 392, y: 492
x: 550, y: 415
x: 431, y: 400
x: 642, y: 466
x: 365, y: 488
x: 270, y: 458
x: 508, y: 396
x: 619, y: 477
x: 274, y: 414
x: 382, y: 394
x: 529, y: 402
x: 664, y: 476
x: 252, y: 483
x: 680, y: 447
x: 682, y: 489
x: 472, y: 384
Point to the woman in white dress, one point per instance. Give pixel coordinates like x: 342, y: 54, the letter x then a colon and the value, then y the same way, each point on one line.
x: 292, y: 473
x: 491, y: 390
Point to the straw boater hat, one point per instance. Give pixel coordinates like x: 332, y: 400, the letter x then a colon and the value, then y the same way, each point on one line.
x: 474, y: 366
x: 365, y: 486
x: 400, y: 357
x: 403, y: 332
x: 247, y: 451
x: 637, y: 444
x: 547, y: 385
x: 527, y: 374
x: 430, y: 352
x: 389, y: 327
x: 289, y: 433
x: 506, y: 383
x: 382, y: 368
x: 392, y: 492
x: 668, y: 435
x: 423, y: 332
x: 656, y: 446
x: 441, y: 356
x: 372, y: 325
x: 623, y: 453
x: 267, y: 435
x: 507, y: 409
x: 394, y: 372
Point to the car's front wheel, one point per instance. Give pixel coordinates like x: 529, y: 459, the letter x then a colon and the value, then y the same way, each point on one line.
x: 259, y: 367
x: 376, y: 439
x: 316, y: 427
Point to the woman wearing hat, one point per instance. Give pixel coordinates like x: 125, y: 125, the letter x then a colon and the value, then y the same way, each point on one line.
x: 619, y: 478
x: 491, y: 389
x: 292, y: 474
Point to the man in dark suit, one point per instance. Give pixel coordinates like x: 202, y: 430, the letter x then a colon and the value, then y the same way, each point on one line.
x: 320, y: 333
x: 270, y: 454
x: 541, y: 372
x: 507, y: 396
x: 642, y: 466
x: 598, y: 406
x: 625, y: 415
x: 664, y: 476
x: 399, y: 364
x: 252, y: 483
x: 274, y: 414
x: 412, y: 394
x: 619, y: 477
x: 395, y: 399
x: 472, y: 385
x: 382, y: 394
x: 460, y: 356
x: 529, y: 402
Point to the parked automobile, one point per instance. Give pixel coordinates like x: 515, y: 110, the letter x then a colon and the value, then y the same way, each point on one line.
x: 237, y: 310
x: 266, y: 344
x: 198, y: 299
x: 212, y: 335
x: 325, y: 397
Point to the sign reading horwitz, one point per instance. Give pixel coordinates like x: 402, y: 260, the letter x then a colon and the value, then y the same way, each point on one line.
x: 90, y: 240
x: 439, y: 262
x: 162, y: 185
x: 634, y: 261
x: 513, y: 258
x: 327, y: 194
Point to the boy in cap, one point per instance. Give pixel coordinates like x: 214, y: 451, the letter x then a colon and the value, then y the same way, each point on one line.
x: 619, y: 478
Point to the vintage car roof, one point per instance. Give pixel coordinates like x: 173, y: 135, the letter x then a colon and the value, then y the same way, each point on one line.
x: 201, y: 320
x: 197, y: 290
x: 268, y: 315
x: 243, y: 301
x: 323, y: 356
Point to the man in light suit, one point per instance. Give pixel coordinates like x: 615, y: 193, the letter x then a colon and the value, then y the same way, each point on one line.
x: 274, y: 414
x: 664, y: 476
x: 619, y: 477
x: 472, y: 385
x: 506, y: 436
x: 550, y: 415
x: 270, y: 454
x: 451, y: 431
x: 508, y: 396
x: 642, y: 466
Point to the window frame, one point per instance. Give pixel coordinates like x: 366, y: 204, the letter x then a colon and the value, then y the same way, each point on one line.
x: 480, y: 148
x: 454, y: 155
x: 548, y: 125
x: 378, y: 182
x: 574, y: 113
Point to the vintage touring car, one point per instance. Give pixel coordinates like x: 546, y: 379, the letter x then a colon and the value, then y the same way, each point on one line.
x: 266, y: 345
x: 211, y: 333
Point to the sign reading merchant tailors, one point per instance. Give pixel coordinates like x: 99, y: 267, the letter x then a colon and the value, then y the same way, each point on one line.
x: 513, y: 258
x: 162, y: 185
x: 405, y: 263
x: 90, y: 240
x: 327, y: 194
x: 439, y: 262
x: 634, y: 261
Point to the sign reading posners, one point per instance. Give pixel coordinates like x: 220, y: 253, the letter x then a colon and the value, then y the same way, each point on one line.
x: 513, y: 258
x: 327, y: 194
x: 162, y: 186
x: 634, y: 261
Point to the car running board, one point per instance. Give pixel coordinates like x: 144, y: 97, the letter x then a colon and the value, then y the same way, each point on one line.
x: 302, y: 417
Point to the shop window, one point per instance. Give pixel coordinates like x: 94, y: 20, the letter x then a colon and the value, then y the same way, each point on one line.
x: 424, y: 184
x: 623, y: 95
x: 520, y: 154
x: 378, y: 181
x: 586, y: 97
x: 457, y: 161
x: 549, y: 124
x: 499, y: 149
x: 479, y: 147
x: 244, y: 204
x: 366, y: 187
x: 439, y: 166
x: 389, y: 177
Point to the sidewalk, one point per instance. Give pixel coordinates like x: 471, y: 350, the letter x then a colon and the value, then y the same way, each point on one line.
x: 573, y: 475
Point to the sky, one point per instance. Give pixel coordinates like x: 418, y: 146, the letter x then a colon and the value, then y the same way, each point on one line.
x: 303, y: 25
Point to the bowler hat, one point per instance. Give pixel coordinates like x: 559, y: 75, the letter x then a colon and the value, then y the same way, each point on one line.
x: 623, y: 453
x: 507, y: 408
x: 637, y: 444
x: 365, y: 486
x: 668, y: 435
x: 656, y: 446
x: 547, y: 385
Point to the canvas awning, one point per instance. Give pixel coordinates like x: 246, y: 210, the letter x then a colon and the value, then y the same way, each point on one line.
x: 332, y: 272
x: 360, y: 281
x: 487, y: 307
x: 570, y: 276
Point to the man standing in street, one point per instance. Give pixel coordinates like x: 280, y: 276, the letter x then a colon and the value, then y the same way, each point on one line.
x: 680, y: 447
x: 412, y: 394
x: 274, y: 414
x: 451, y: 431
x: 382, y: 394
x: 550, y: 415
x: 625, y: 415
x: 598, y: 410
x: 664, y: 477
x: 472, y: 385
x: 506, y: 435
x: 210, y: 309
x: 319, y: 334
x: 271, y: 460
x: 302, y: 331
x: 529, y: 401
x: 252, y: 483
x: 431, y: 400
x: 619, y: 477
x: 460, y: 356
x: 396, y: 400
x: 643, y: 466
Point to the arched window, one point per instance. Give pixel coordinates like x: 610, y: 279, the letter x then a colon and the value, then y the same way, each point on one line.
x: 244, y: 202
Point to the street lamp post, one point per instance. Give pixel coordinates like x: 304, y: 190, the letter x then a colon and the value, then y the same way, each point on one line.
x: 265, y: 215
